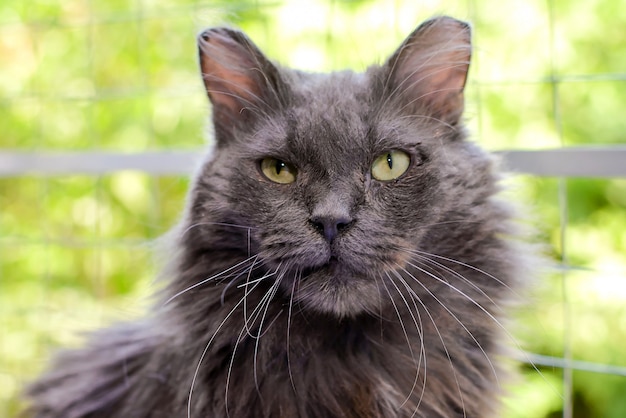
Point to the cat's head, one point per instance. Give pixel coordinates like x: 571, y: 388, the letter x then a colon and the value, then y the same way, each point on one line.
x: 331, y: 178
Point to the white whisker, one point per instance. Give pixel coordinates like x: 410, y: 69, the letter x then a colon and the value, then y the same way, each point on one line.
x: 215, y: 276
x: 291, y: 297
x: 458, y: 275
x: 406, y: 335
x: 420, y: 332
x: 208, y: 344
x: 205, y: 223
x: 421, y: 335
x: 512, y: 338
x: 443, y: 305
x: 247, y: 283
x: 241, y: 273
x: 250, y: 320
x: 443, y: 344
x: 469, y: 266
x: 270, y: 295
x: 230, y: 368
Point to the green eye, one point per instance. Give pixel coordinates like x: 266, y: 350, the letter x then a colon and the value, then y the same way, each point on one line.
x: 390, y: 165
x: 278, y: 171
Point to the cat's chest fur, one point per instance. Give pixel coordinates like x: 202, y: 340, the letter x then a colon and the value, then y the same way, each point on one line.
x: 286, y: 362
x: 325, y: 375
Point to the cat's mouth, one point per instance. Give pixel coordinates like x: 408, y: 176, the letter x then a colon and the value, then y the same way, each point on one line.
x: 331, y: 267
x: 334, y: 287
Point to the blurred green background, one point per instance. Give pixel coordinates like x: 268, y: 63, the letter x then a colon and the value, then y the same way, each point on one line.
x: 76, y: 250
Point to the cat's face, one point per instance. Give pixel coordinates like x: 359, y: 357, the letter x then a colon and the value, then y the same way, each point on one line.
x: 334, y: 177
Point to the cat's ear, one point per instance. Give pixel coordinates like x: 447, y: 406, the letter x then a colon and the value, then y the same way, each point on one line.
x: 428, y: 72
x: 240, y: 81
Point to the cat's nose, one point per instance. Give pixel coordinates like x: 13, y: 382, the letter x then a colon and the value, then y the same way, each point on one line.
x: 330, y: 226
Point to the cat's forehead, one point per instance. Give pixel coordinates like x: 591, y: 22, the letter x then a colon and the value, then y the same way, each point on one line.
x: 332, y: 120
x: 347, y: 114
x: 337, y: 85
x: 330, y: 112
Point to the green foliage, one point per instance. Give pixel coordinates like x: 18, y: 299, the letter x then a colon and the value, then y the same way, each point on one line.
x: 76, y: 251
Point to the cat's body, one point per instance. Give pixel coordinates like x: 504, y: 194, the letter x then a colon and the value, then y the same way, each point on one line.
x: 308, y: 279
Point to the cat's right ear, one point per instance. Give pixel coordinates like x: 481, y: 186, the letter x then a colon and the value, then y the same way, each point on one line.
x: 241, y: 82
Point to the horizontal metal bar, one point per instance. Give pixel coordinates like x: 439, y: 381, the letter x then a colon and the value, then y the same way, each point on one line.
x: 562, y: 363
x: 95, y: 163
x: 609, y: 161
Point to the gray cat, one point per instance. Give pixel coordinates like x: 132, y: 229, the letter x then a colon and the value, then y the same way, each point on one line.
x: 341, y: 254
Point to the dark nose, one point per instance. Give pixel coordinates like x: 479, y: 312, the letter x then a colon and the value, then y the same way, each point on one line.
x: 330, y: 226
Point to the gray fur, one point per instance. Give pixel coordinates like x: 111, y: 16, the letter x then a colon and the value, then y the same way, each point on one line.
x: 394, y: 313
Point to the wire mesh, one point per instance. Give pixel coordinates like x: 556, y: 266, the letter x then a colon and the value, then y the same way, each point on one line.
x: 115, y: 77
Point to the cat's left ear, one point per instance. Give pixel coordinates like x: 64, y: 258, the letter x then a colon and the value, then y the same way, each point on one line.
x: 242, y: 84
x: 428, y: 72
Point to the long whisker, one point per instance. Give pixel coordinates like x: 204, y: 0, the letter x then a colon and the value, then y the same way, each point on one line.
x: 247, y: 283
x: 456, y: 274
x: 205, y: 223
x: 215, y: 276
x: 443, y: 344
x: 272, y: 292
x: 406, y: 336
x: 425, y: 256
x: 418, y: 329
x: 469, y: 266
x: 291, y: 297
x: 480, y: 347
x: 230, y: 368
x: 493, y: 318
x: 249, y: 321
x: 395, y: 307
x: 208, y: 344
x: 241, y: 273
x: 254, y: 315
x: 421, y: 336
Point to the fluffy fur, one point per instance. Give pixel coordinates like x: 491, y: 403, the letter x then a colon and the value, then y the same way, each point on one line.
x: 335, y: 295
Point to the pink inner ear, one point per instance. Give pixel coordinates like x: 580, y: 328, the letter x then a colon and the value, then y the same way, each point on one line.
x: 431, y: 75
x: 229, y: 89
x: 431, y: 68
x: 440, y: 86
x: 230, y: 73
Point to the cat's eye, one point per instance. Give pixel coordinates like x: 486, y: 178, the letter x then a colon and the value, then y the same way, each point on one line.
x: 278, y: 171
x: 390, y: 165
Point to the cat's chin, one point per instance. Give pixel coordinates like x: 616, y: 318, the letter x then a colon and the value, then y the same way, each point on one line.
x: 336, y: 290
